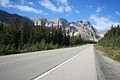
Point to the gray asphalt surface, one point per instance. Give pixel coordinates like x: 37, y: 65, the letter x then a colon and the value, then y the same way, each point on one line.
x: 28, y: 66
x: 80, y: 67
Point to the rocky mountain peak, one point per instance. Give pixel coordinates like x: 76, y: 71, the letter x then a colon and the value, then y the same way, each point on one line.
x: 83, y: 27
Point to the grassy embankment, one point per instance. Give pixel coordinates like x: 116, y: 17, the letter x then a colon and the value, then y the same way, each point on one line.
x: 112, y: 52
x: 110, y: 44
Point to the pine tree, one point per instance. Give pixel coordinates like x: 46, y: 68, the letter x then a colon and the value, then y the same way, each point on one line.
x: 55, y: 36
x: 64, y: 37
x: 25, y: 33
x: 9, y: 34
x: 60, y: 36
x: 2, y: 33
x: 68, y: 38
x: 32, y: 35
x: 16, y: 34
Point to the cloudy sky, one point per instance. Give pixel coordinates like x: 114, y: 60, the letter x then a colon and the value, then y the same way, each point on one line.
x: 101, y: 13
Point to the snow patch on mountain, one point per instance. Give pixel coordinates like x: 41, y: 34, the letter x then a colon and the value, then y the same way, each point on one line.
x: 83, y: 28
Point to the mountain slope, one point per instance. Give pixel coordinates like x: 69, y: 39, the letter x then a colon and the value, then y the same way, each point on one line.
x: 6, y: 17
x: 110, y: 44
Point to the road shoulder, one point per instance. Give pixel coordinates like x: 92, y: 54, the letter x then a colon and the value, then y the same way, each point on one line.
x: 108, y: 69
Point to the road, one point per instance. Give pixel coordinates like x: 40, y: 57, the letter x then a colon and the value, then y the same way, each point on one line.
x: 76, y: 63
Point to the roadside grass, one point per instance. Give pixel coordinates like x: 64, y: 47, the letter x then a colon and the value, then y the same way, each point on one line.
x: 112, y: 52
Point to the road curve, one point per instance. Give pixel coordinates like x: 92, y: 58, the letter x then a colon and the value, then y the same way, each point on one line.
x: 32, y: 65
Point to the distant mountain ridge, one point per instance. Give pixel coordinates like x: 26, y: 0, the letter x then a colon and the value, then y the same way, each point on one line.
x: 6, y: 17
x: 84, y: 27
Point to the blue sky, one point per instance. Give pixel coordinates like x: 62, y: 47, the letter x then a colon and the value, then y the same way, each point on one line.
x: 101, y: 13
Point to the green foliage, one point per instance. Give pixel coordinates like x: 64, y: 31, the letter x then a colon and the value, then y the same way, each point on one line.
x: 112, y: 38
x: 5, y: 50
x: 111, y: 43
x: 75, y: 40
x: 25, y: 33
x: 2, y: 49
x: 50, y: 46
x: 27, y: 38
x: 10, y: 48
x: 42, y: 45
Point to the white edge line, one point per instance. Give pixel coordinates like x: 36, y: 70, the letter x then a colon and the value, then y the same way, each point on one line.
x: 37, y: 78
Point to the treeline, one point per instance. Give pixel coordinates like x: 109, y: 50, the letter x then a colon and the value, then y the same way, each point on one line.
x: 25, y: 38
x: 112, y: 37
x: 110, y: 44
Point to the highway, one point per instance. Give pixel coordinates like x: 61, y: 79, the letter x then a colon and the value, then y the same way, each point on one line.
x: 75, y: 63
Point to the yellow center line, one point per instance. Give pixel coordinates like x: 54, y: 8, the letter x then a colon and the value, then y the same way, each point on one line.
x: 7, y: 62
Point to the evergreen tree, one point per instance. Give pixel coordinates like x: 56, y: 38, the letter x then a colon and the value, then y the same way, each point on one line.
x: 25, y: 33
x: 1, y: 33
x: 16, y: 34
x: 68, y: 38
x: 64, y: 37
x: 32, y: 35
x: 60, y: 36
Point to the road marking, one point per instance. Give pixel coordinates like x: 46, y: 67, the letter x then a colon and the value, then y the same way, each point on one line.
x: 7, y: 62
x: 42, y: 75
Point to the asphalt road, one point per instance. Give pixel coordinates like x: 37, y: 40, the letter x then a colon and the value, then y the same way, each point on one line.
x: 29, y: 66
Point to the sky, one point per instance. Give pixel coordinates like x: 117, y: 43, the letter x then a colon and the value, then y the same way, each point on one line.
x: 100, y: 13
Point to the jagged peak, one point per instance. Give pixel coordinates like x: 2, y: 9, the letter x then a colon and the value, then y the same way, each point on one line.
x: 86, y: 22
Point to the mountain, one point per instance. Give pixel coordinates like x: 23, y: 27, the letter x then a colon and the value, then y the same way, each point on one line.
x: 6, y: 17
x: 84, y: 27
x: 49, y: 22
x: 101, y: 34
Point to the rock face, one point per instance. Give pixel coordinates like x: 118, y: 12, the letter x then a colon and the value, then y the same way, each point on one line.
x: 49, y: 22
x: 6, y: 17
x: 83, y: 28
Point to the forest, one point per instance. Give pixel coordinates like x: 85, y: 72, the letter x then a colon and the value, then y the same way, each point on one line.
x: 112, y: 38
x: 28, y: 38
x: 111, y: 43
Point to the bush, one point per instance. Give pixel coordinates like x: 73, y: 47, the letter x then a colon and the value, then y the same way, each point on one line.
x: 112, y: 52
x: 116, y: 56
x: 42, y: 45
x: 9, y: 49
x: 50, y: 46
x: 2, y: 49
x: 26, y: 47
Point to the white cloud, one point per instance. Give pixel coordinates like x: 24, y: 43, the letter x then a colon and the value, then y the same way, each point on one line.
x: 63, y: 5
x: 26, y: 2
x: 31, y: 3
x: 6, y: 3
x: 47, y: 4
x: 78, y: 12
x: 62, y: 1
x: 99, y: 9
x: 28, y: 9
x: 22, y: 7
x: 118, y: 13
x: 68, y: 8
x: 102, y: 23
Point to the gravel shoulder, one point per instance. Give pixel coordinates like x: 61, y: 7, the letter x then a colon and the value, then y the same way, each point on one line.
x: 107, y: 68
